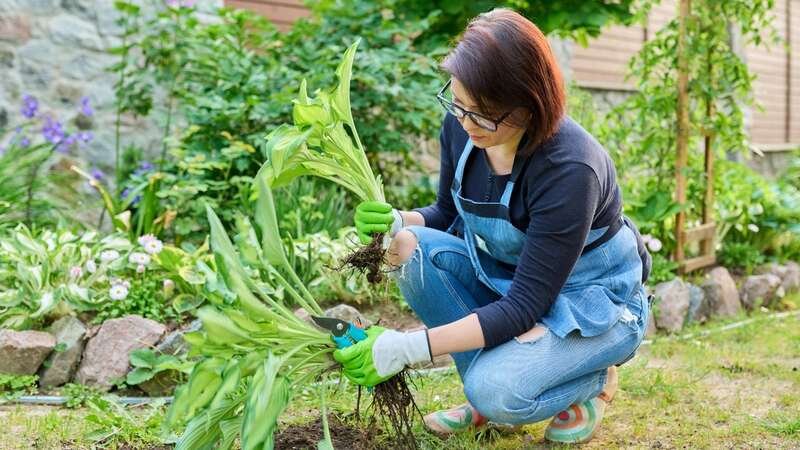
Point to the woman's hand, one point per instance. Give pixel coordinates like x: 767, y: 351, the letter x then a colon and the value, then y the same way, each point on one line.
x: 382, y: 354
x: 376, y: 217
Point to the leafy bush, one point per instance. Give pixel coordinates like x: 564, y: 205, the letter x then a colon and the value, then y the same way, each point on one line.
x: 230, y: 82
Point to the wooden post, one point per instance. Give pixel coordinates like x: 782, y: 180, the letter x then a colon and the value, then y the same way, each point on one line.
x: 708, y: 201
x: 683, y: 131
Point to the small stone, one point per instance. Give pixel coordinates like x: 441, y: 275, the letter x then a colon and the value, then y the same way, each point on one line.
x: 698, y: 305
x: 764, y: 288
x: 70, y: 31
x: 14, y: 28
x: 22, y: 352
x: 721, y: 293
x: 107, y: 355
x: 70, y: 332
x: 672, y: 300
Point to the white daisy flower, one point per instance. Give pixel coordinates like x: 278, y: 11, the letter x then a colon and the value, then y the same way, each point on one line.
x: 75, y: 272
x: 118, y: 292
x: 144, y: 239
x: 109, y: 255
x: 140, y: 269
x: 169, y: 286
x: 153, y: 246
x: 91, y: 267
x: 654, y: 244
x: 139, y: 258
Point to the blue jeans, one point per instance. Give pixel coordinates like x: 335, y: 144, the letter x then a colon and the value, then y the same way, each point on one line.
x: 515, y: 382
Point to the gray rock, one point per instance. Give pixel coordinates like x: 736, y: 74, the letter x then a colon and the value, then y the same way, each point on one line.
x: 721, y: 293
x: 14, y: 28
x: 791, y: 279
x: 174, y: 344
x: 107, y: 354
x: 765, y: 289
x: 346, y: 313
x: 71, y: 31
x: 672, y: 298
x: 22, y: 352
x: 698, y: 305
x: 40, y: 51
x: 61, y: 365
x: 81, y: 8
x: 789, y: 274
x: 8, y: 6
x: 86, y: 67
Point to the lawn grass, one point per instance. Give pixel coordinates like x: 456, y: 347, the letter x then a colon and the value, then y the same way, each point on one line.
x: 738, y: 388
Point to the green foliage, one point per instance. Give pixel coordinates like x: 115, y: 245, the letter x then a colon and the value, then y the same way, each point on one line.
x: 112, y: 423
x: 641, y: 132
x: 48, y: 275
x: 147, y: 364
x: 232, y: 81
x: 577, y: 19
x: 13, y: 386
x: 663, y: 269
x: 79, y: 395
x: 742, y: 255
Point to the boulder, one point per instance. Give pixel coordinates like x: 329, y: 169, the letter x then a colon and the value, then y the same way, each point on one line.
x: 698, y: 305
x: 651, y: 326
x: 791, y: 279
x: 721, y: 293
x: 61, y: 365
x: 107, y: 354
x: 765, y: 289
x: 672, y: 298
x: 22, y: 352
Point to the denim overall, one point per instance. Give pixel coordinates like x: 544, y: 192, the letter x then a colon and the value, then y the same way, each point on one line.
x: 600, y: 289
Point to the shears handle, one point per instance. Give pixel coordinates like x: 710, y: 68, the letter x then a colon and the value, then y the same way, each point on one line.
x: 354, y: 334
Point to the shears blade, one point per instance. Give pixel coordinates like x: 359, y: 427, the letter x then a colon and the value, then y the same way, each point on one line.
x: 337, y: 327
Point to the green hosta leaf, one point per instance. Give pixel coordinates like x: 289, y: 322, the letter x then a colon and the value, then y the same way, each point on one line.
x: 46, y: 302
x: 283, y: 143
x: 267, y: 398
x: 271, y: 244
x: 219, y: 328
x: 139, y: 375
x: 186, y: 302
x: 341, y: 97
x: 310, y: 112
x: 143, y: 357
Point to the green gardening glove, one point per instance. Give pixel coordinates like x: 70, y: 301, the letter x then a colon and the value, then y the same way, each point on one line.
x: 382, y: 354
x: 376, y: 217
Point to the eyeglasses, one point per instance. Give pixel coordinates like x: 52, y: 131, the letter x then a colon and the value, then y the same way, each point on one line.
x: 480, y: 120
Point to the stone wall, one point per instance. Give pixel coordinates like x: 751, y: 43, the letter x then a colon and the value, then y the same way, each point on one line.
x: 55, y: 50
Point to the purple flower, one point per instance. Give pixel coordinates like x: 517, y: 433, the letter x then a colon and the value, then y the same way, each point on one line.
x: 85, y: 136
x: 85, y: 108
x: 24, y: 142
x: 144, y: 167
x: 187, y: 3
x: 97, y: 174
x: 52, y: 130
x: 124, y: 194
x: 29, y: 106
x: 66, y: 144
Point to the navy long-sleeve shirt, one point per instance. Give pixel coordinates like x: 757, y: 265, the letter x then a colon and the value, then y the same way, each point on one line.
x: 568, y: 186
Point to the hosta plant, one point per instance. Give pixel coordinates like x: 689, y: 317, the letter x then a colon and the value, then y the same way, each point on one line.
x: 324, y: 142
x: 254, y: 354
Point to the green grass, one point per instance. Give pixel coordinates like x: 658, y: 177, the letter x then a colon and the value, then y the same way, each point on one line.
x: 736, y: 389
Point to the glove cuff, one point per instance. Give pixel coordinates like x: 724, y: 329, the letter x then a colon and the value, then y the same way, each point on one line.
x: 418, y: 347
x: 397, y: 225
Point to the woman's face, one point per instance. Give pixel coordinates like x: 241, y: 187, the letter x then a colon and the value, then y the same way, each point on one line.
x: 483, y: 138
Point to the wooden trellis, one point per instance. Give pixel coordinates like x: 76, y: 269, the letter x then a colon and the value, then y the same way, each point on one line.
x: 704, y: 233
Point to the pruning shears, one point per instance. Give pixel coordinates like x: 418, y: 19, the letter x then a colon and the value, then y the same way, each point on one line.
x: 344, y: 333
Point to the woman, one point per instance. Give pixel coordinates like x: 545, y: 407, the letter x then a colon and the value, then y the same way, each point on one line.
x: 524, y: 269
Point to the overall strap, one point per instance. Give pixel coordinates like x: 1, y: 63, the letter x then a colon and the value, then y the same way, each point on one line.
x: 462, y: 161
x: 610, y: 233
x: 519, y: 163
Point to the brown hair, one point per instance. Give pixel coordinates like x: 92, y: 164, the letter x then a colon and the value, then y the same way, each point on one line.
x: 504, y: 61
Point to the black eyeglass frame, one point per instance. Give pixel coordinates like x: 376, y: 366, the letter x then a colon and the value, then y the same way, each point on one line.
x: 452, y: 107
